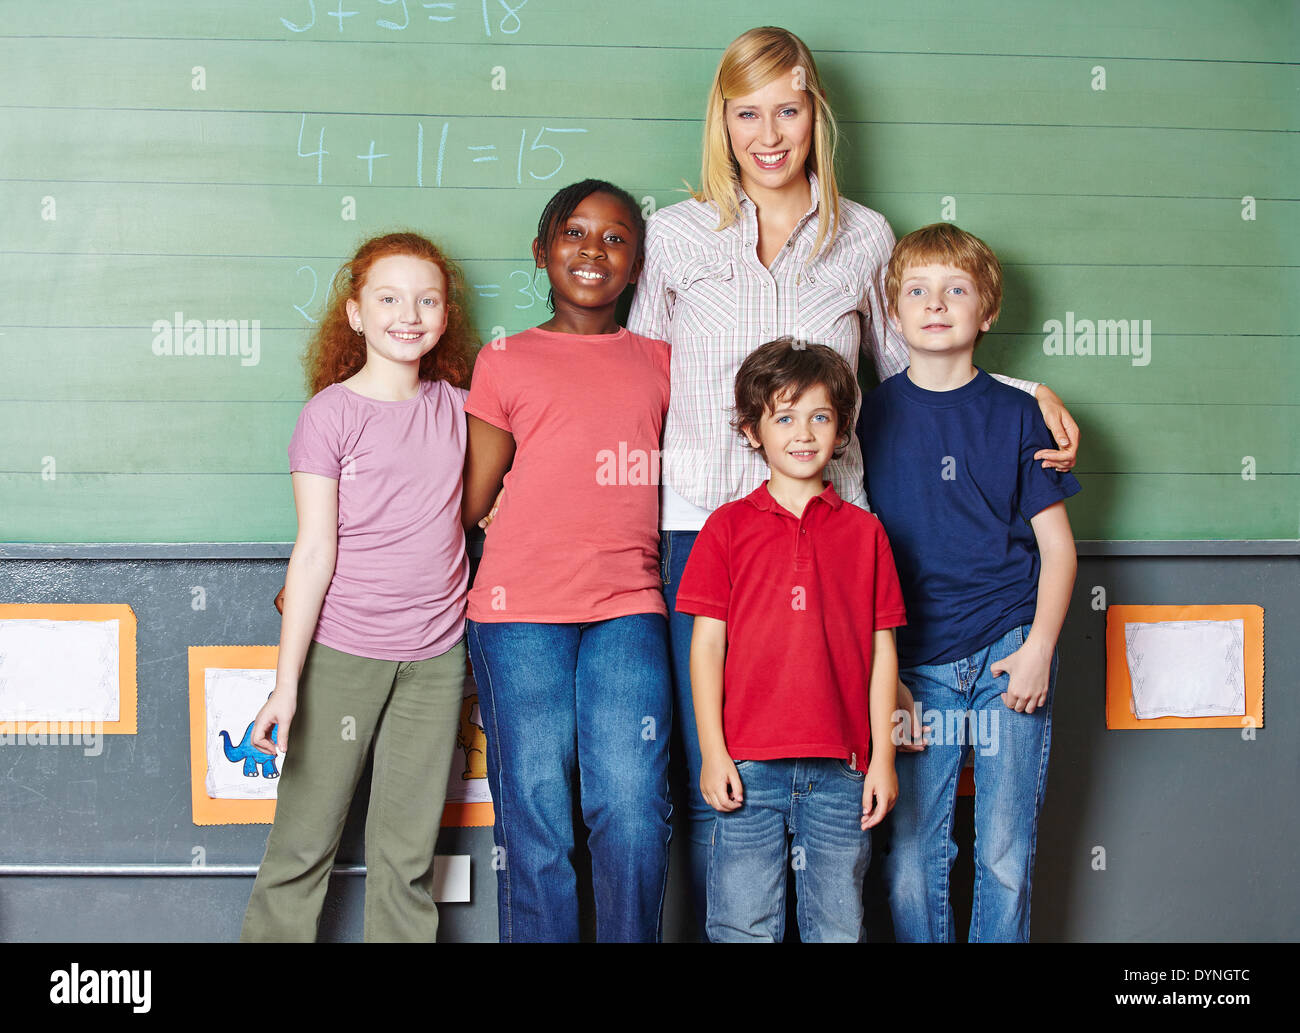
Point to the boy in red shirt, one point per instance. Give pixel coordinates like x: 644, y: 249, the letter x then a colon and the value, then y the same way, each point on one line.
x: 793, y: 667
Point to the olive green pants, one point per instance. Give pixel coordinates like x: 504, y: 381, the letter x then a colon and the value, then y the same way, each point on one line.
x: 409, y: 711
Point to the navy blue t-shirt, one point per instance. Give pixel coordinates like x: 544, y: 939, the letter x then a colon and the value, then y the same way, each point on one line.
x: 952, y: 476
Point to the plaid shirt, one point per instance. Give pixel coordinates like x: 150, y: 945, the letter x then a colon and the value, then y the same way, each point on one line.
x: 706, y: 293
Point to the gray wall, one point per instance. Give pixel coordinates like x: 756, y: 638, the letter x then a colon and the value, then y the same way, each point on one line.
x: 1199, y: 827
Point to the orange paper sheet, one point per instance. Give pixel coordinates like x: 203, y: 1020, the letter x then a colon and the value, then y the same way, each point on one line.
x: 126, y: 663
x: 1119, y: 690
x: 208, y: 811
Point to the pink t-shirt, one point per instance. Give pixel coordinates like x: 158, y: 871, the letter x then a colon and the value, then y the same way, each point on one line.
x: 576, y: 537
x: 398, y: 591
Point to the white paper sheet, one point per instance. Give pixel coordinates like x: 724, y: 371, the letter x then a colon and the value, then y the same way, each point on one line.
x: 59, y: 671
x: 232, y: 697
x: 1186, y: 668
x: 451, y: 881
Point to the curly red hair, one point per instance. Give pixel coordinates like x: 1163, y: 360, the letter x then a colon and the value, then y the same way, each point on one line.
x: 336, y: 351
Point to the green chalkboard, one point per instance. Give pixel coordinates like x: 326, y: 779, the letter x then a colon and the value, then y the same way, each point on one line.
x: 1134, y: 166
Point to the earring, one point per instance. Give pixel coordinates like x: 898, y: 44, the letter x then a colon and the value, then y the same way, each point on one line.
x: 360, y: 332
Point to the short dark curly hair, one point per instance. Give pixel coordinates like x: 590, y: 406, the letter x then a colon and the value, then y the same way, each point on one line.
x: 789, y: 367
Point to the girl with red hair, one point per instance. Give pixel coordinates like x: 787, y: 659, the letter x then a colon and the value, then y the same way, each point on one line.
x: 372, y: 645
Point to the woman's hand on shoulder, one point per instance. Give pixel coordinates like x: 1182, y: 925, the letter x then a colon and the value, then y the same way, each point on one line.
x: 1063, y: 429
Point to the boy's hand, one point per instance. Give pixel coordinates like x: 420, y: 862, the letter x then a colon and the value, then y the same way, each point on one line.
x: 909, y: 735
x: 1028, y: 669
x: 720, y: 784
x: 278, y: 710
x: 879, y: 793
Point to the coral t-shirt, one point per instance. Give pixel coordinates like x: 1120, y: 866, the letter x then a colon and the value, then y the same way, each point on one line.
x: 398, y: 591
x: 576, y: 536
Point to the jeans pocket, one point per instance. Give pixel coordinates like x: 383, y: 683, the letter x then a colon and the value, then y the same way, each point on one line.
x: 851, y: 773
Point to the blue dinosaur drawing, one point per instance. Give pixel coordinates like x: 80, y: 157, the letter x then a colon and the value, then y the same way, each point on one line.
x: 251, y: 755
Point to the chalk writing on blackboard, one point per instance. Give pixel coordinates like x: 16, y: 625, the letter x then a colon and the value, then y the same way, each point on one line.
x: 499, y: 16
x: 534, y: 158
x: 524, y: 284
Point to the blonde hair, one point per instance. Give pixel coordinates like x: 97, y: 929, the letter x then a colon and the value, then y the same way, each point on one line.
x: 748, y: 64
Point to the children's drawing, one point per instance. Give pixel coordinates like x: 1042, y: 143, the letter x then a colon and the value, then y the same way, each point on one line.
x: 252, y: 757
x: 471, y: 740
x: 232, y: 698
x: 59, y: 670
x: 1186, y: 668
x: 468, y: 777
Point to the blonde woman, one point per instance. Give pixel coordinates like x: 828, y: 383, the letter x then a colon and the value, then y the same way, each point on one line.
x: 765, y: 248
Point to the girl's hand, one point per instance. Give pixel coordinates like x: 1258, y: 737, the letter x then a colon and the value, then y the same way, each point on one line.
x: 279, y: 601
x: 720, y: 784
x: 492, y: 513
x: 1063, y: 428
x: 1028, y: 669
x: 278, y: 710
x: 879, y: 793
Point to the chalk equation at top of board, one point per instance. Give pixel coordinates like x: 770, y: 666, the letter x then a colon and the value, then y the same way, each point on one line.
x: 499, y: 17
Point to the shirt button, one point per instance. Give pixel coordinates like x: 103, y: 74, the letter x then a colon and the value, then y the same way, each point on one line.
x: 811, y: 278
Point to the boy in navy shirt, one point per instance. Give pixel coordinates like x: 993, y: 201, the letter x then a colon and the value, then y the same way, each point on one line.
x: 986, y: 560
x: 793, y: 670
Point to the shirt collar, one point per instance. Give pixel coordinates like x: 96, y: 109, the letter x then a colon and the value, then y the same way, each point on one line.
x: 812, y: 191
x: 761, y: 499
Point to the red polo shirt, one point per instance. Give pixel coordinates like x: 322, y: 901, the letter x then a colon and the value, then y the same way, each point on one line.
x: 802, y: 597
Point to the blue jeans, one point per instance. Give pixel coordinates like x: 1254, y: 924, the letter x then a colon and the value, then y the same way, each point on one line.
x: 674, y: 550
x: 585, y: 703
x: 961, y: 703
x: 818, y: 802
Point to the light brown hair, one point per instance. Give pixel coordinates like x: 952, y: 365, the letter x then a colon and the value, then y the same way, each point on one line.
x: 942, y: 243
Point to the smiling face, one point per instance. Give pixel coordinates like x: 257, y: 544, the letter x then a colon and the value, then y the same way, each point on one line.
x: 797, y: 437
x: 939, y: 310
x: 771, y: 133
x: 402, y: 308
x: 592, y: 256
